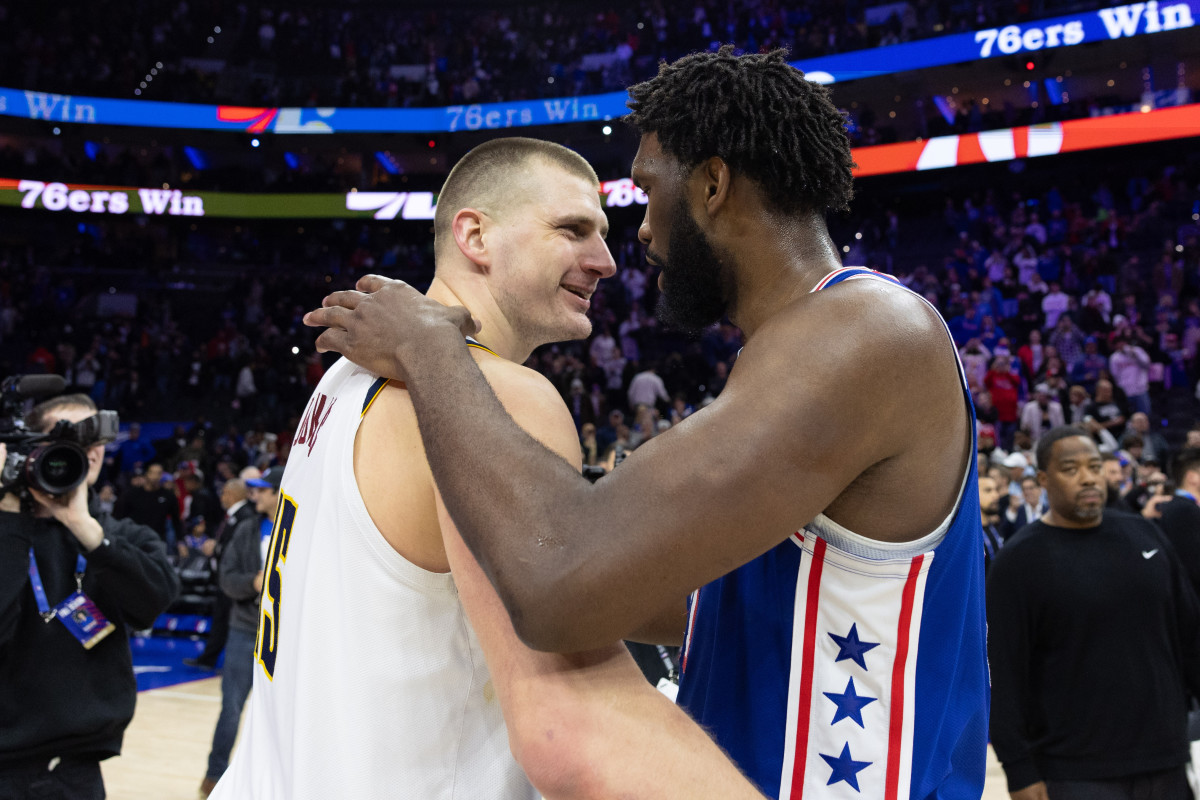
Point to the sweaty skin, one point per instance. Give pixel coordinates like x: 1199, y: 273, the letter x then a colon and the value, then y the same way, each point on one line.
x: 846, y: 402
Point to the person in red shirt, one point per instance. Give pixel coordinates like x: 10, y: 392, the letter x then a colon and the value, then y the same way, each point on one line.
x: 1004, y: 387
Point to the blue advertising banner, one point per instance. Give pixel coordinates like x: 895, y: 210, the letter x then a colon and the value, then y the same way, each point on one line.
x: 1106, y: 24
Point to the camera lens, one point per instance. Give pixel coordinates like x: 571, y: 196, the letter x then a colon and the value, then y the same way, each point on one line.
x: 56, y: 468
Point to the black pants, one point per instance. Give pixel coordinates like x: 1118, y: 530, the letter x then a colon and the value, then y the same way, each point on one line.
x: 69, y: 780
x: 1170, y: 784
x: 215, y: 642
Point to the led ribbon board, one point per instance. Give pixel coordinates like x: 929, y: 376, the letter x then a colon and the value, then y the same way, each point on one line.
x: 81, y: 201
x: 1107, y: 24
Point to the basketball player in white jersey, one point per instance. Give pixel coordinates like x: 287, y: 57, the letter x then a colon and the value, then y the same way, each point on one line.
x: 371, y: 679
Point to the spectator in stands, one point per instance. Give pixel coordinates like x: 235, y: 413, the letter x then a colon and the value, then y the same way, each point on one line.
x: 976, y: 359
x: 1117, y: 483
x: 589, y: 445
x: 1025, y: 507
x: 991, y: 504
x: 1067, y: 340
x: 200, y: 501
x: 1130, y: 366
x: 1090, y: 368
x: 1041, y: 413
x: 1004, y: 387
x: 134, y: 454
x: 1078, y: 402
x: 647, y: 388
x: 1107, y: 409
x: 1031, y: 353
x: 1055, y: 304
x: 150, y: 504
x: 1154, y: 445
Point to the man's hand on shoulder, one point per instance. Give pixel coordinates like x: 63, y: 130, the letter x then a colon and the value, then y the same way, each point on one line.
x: 386, y: 324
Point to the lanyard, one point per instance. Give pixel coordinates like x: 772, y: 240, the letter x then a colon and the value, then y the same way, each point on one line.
x: 39, y: 591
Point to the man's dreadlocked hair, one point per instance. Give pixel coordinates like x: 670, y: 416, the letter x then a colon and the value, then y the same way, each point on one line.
x: 758, y: 114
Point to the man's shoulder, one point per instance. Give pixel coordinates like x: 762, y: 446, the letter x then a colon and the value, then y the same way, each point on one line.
x: 870, y: 309
x: 1028, y: 537
x: 1181, y: 509
x: 511, y: 381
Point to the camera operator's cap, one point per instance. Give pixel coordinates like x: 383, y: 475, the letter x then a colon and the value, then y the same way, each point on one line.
x: 271, y: 479
x: 1016, y: 460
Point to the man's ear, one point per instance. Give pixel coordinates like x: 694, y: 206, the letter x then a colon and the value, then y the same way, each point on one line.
x: 470, y: 227
x: 716, y: 182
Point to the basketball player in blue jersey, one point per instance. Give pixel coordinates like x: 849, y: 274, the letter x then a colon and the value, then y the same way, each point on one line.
x: 369, y: 680
x: 813, y: 536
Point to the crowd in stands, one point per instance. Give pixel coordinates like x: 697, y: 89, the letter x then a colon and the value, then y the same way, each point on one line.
x: 1077, y: 302
x: 427, y: 54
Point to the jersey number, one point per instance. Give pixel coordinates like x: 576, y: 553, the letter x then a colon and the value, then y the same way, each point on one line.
x: 268, y: 625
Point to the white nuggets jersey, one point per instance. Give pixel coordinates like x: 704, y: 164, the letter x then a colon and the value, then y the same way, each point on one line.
x: 369, y: 681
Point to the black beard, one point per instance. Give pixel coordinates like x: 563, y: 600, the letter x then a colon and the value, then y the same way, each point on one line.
x: 694, y: 296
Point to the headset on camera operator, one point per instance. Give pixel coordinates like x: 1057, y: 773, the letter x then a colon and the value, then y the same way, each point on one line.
x: 73, y: 581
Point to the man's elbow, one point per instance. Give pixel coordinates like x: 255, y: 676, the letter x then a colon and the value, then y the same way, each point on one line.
x: 552, y: 748
x: 553, y: 628
x: 560, y: 621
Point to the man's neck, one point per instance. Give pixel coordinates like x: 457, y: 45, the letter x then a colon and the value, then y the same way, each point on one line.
x: 1057, y: 520
x: 495, y: 332
x: 776, y: 264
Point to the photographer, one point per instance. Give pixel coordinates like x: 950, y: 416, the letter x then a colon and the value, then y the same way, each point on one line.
x: 67, y: 688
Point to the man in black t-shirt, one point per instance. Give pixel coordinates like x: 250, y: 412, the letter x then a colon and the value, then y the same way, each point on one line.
x: 1093, y: 641
x: 1107, y: 409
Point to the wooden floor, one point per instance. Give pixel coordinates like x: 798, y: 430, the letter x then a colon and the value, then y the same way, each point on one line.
x: 166, y: 746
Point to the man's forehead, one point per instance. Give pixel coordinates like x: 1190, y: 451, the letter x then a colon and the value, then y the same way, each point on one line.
x: 650, y: 158
x: 1075, y: 447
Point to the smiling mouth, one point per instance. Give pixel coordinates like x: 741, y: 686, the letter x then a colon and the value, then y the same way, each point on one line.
x: 583, y: 294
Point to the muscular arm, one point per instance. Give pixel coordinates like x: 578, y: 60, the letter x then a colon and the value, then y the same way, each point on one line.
x: 583, y: 725
x: 580, y: 564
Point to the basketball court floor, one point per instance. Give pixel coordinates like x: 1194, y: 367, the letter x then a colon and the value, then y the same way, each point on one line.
x: 166, y: 745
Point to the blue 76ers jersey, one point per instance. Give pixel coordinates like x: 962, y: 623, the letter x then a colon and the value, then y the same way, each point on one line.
x: 835, y: 666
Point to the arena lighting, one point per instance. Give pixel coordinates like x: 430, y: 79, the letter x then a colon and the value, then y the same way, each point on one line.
x: 606, y: 130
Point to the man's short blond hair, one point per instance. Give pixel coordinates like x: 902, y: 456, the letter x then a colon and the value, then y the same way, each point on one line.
x: 490, y: 178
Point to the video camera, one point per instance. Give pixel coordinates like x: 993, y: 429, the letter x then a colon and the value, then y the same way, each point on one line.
x: 54, y: 462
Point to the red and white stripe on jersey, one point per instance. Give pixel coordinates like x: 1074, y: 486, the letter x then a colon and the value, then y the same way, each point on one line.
x: 693, y: 605
x: 856, y: 631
